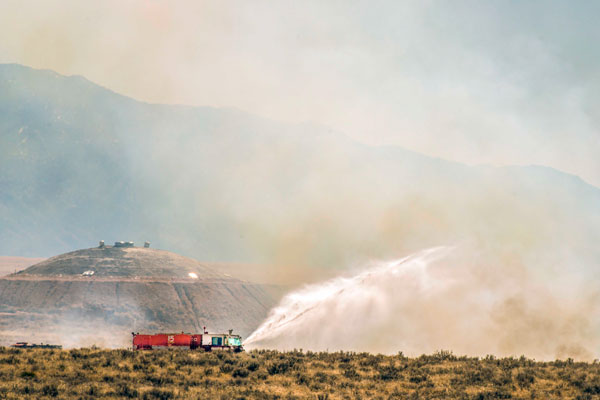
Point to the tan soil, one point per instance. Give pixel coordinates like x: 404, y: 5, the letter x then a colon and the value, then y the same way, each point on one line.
x: 131, y: 290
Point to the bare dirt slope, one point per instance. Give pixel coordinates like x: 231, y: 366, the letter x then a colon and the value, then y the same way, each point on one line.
x: 132, y: 289
x: 123, y: 262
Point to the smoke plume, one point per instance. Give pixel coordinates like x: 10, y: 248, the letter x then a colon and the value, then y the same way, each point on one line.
x: 438, y: 299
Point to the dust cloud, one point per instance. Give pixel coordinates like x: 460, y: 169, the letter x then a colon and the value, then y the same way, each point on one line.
x: 443, y: 298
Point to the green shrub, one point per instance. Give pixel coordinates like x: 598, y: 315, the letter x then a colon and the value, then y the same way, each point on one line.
x: 240, y: 373
x: 160, y: 394
x: 126, y: 390
x: 27, y: 374
x: 525, y: 378
x: 388, y: 372
x: 252, y: 366
x: 50, y: 390
x: 279, y: 367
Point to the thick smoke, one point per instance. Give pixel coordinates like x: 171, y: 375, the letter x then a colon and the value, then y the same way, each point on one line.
x: 410, y: 73
x: 67, y: 329
x: 438, y: 299
x: 92, y: 323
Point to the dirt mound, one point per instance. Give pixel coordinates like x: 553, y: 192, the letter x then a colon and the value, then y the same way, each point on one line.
x: 123, y: 262
x: 131, y: 289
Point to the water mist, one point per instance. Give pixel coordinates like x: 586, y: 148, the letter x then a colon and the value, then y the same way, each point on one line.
x: 437, y: 299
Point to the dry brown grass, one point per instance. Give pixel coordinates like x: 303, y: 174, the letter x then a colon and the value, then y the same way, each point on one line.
x: 96, y: 373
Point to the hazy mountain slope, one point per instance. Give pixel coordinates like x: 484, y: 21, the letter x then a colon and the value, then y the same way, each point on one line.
x: 80, y: 163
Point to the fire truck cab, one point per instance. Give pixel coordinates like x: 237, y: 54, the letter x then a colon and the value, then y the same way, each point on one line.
x: 221, y: 341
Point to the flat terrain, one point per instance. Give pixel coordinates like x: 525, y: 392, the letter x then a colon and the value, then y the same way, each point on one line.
x: 165, y: 374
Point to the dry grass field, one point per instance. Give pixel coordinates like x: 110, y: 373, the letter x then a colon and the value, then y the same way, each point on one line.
x: 96, y: 373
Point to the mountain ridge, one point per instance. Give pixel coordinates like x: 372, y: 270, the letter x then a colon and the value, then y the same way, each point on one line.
x: 247, y: 115
x: 80, y: 163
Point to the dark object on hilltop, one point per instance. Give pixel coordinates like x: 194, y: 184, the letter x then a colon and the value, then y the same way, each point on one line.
x: 26, y: 345
x: 123, y: 244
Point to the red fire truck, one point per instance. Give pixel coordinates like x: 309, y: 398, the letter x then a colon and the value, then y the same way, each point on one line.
x: 206, y: 341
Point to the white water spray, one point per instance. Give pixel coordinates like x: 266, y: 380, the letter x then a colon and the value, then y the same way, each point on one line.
x: 430, y: 301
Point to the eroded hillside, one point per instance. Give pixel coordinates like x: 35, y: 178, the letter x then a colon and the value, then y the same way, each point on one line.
x: 100, y: 295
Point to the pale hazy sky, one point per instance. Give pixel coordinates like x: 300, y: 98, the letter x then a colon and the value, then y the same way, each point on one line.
x: 500, y: 82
